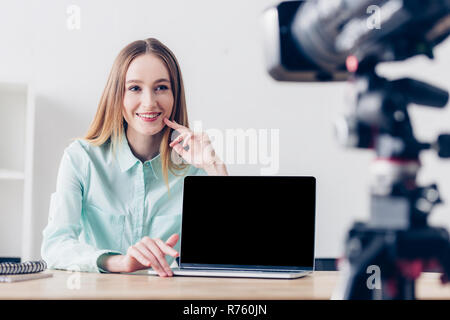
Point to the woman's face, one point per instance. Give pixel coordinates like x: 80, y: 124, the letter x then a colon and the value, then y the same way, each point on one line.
x: 148, y: 95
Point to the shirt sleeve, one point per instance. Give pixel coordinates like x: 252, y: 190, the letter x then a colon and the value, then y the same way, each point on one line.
x: 61, y: 248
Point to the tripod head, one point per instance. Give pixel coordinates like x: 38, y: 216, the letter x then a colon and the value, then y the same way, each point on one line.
x: 380, y: 119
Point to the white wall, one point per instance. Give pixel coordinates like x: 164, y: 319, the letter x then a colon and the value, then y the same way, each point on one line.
x: 218, y: 46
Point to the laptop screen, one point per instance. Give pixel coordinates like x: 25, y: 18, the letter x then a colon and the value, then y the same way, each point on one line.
x: 254, y: 221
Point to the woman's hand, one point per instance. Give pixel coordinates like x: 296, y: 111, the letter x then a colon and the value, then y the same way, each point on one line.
x: 143, y: 255
x: 200, y: 153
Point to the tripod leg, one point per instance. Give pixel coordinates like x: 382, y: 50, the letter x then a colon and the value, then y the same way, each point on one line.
x: 353, y: 282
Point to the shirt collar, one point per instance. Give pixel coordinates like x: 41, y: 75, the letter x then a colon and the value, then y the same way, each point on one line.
x: 127, y: 159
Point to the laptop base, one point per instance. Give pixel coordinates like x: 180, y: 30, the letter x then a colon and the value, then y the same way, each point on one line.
x: 233, y: 273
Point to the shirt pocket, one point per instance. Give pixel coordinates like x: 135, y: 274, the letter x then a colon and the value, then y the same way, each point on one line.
x: 107, y: 227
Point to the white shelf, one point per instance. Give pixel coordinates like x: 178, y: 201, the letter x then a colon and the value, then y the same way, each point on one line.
x: 11, y: 175
x: 17, y: 115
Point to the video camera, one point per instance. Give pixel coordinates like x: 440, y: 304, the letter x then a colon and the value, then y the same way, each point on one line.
x: 313, y: 40
x: 338, y: 40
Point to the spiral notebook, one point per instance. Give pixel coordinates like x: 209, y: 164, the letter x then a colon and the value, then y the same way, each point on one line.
x: 14, y: 272
x: 24, y: 277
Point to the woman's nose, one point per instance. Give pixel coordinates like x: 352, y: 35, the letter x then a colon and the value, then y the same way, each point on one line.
x: 148, y: 98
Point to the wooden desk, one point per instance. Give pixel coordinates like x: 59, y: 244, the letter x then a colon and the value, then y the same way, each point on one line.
x: 120, y: 286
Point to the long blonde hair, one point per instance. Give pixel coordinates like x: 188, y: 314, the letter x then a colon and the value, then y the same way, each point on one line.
x: 109, y: 124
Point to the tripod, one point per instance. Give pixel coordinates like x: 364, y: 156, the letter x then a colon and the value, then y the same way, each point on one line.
x: 396, y: 241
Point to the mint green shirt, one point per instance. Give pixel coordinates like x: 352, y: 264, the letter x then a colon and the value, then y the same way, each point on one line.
x: 106, y: 202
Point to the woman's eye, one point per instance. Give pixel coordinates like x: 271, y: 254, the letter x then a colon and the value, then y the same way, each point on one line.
x: 162, y: 87
x: 134, y: 88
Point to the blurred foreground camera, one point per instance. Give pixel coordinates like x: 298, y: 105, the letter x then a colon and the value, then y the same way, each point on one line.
x: 335, y: 40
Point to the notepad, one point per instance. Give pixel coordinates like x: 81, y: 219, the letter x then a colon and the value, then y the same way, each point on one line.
x: 24, y: 277
x: 7, y: 268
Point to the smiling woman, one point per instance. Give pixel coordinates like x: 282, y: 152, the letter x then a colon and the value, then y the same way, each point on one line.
x: 118, y: 191
x: 147, y: 100
x: 145, y: 76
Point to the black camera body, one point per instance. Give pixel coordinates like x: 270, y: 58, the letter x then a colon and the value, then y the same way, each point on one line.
x: 312, y: 40
x: 284, y: 60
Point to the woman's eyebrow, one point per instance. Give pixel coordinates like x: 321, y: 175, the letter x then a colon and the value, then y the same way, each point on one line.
x: 140, y: 81
x: 162, y: 80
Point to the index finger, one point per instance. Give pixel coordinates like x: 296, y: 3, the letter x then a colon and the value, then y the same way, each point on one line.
x: 166, y: 249
x: 173, y: 124
x: 173, y: 239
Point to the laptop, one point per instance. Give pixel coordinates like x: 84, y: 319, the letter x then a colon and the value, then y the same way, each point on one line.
x: 247, y: 226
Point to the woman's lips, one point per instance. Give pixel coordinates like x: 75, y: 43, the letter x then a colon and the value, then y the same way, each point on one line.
x: 149, y: 116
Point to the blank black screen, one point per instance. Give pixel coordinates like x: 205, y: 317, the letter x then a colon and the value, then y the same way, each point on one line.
x: 248, y: 221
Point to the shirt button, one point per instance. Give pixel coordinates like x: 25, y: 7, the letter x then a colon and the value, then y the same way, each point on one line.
x: 147, y: 164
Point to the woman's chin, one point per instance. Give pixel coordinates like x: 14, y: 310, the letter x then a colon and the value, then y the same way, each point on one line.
x: 152, y: 132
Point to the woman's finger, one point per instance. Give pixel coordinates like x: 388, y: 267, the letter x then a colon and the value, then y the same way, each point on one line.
x: 171, y: 124
x: 180, y: 150
x: 178, y: 139
x: 136, y: 254
x: 160, y: 256
x: 132, y: 251
x: 173, y: 239
x: 174, y: 125
x: 139, y: 256
x: 142, y: 248
x: 187, y: 139
x: 166, y: 249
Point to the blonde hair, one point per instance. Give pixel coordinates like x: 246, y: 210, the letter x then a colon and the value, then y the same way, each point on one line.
x: 109, y: 124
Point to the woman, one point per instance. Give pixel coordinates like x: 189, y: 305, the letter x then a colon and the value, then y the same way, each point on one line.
x: 119, y: 189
